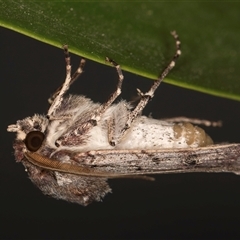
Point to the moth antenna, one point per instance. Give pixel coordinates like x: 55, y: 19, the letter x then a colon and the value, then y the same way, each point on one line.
x: 55, y: 165
x: 97, y: 116
x: 56, y: 98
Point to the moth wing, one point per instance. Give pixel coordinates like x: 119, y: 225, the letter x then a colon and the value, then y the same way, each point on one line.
x: 69, y: 187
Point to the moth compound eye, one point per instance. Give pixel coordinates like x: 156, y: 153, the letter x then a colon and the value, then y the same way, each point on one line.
x: 33, y: 140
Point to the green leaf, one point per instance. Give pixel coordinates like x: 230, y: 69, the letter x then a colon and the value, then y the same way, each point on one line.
x: 136, y: 35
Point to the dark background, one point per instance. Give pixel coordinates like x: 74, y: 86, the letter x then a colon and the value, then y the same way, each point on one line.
x: 174, y: 206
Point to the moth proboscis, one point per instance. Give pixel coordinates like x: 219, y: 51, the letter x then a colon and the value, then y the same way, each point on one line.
x: 73, y: 150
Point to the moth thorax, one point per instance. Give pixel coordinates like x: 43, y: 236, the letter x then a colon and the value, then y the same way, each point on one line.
x: 194, y: 135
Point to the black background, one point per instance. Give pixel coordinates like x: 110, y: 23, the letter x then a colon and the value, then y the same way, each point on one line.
x: 174, y: 206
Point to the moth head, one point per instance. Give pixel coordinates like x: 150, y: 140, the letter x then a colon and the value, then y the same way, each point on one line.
x: 30, y: 134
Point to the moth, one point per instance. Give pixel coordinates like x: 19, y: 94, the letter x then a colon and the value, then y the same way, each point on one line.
x: 73, y: 150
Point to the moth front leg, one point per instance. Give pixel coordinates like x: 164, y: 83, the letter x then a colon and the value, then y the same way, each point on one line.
x: 56, y: 99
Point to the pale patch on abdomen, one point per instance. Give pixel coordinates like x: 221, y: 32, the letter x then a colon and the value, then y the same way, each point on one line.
x: 146, y: 133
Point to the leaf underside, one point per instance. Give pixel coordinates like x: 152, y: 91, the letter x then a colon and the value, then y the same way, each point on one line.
x: 136, y: 35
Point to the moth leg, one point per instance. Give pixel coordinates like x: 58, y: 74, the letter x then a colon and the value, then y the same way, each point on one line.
x: 111, y: 131
x: 97, y: 116
x: 57, y: 97
x: 196, y: 121
x: 145, y: 97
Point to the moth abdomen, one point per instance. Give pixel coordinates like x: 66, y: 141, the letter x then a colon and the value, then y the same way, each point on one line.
x: 194, y: 136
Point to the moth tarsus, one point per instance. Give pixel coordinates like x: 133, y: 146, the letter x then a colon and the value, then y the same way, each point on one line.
x: 71, y: 152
